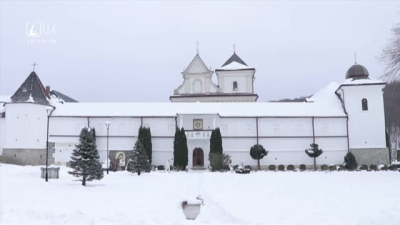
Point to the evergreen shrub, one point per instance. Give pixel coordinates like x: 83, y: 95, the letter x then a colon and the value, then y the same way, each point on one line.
x: 303, y: 167
x: 324, y: 167
x: 272, y: 167
x: 373, y: 167
x: 290, y: 167
x: 363, y: 167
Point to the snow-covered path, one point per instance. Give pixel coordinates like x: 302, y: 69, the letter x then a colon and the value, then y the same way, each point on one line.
x: 258, y: 198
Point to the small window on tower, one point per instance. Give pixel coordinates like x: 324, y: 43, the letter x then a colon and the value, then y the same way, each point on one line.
x: 235, y: 86
x: 364, y: 103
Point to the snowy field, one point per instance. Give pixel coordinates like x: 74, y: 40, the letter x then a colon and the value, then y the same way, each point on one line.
x: 257, y: 198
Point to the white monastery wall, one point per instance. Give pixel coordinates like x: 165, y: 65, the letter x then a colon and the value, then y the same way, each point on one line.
x: 26, y: 126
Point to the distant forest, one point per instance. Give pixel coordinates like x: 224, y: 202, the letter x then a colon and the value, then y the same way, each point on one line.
x: 391, y: 96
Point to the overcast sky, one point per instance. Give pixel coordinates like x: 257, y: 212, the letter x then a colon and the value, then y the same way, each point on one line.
x: 136, y: 51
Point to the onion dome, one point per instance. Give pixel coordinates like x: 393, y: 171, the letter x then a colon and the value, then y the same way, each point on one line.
x: 357, y: 71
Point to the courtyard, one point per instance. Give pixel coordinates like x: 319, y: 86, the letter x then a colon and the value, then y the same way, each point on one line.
x: 229, y: 198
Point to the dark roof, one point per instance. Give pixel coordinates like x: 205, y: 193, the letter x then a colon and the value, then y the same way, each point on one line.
x: 357, y: 71
x: 32, y: 87
x: 234, y: 58
x: 62, y: 96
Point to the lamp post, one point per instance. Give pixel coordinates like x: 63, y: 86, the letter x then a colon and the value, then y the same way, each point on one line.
x: 49, y: 110
x: 108, y: 130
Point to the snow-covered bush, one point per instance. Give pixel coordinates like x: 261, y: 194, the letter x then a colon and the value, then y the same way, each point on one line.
x: 303, y: 167
x: 332, y: 167
x: 392, y: 167
x: 314, y: 152
x: 281, y: 167
x: 242, y: 170
x: 272, y: 167
x: 341, y: 168
x: 383, y: 167
x: 290, y: 167
x: 350, y: 161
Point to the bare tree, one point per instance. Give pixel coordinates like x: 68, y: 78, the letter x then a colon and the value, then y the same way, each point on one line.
x: 391, y: 96
x: 391, y: 55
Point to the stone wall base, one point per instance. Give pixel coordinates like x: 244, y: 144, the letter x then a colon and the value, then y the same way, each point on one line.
x: 26, y: 156
x: 370, y: 156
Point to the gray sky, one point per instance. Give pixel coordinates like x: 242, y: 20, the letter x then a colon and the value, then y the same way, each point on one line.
x: 135, y: 51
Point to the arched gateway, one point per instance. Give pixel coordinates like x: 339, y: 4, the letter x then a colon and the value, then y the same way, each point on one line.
x: 198, y: 157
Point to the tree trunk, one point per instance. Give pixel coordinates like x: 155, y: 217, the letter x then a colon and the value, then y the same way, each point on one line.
x: 84, y: 180
x: 258, y: 164
x: 315, y: 164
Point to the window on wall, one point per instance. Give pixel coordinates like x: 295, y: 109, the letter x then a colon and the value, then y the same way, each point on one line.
x: 235, y: 86
x: 364, y: 104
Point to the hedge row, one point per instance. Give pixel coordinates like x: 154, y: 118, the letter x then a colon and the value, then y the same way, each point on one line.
x: 325, y: 167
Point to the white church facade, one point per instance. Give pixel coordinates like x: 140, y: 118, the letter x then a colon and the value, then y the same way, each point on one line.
x: 340, y: 118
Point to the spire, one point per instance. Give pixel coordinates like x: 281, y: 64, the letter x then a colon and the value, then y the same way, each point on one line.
x: 355, y: 57
x: 32, y: 90
x: 197, y: 44
x: 234, y: 48
x: 234, y: 58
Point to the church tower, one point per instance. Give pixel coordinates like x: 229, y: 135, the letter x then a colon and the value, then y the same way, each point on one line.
x: 236, y: 78
x: 26, y: 122
x: 362, y: 100
x: 235, y: 82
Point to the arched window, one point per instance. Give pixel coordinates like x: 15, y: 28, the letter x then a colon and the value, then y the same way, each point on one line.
x: 235, y: 86
x: 364, y: 104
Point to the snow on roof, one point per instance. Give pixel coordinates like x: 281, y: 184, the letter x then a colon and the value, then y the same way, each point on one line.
x: 4, y: 99
x: 362, y: 81
x: 235, y: 66
x: 326, y: 94
x: 272, y: 109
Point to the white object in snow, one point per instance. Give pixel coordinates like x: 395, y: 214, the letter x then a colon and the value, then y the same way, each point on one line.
x: 191, y: 209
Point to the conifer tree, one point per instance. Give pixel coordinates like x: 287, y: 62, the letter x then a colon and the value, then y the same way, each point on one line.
x: 139, y: 161
x: 145, y: 137
x: 216, y: 141
x: 85, y: 159
x: 258, y: 152
x: 177, y: 144
x: 181, y: 152
x: 184, y: 150
x: 314, y: 152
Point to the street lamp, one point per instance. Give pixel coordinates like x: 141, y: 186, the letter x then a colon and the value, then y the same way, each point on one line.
x: 49, y: 110
x: 108, y: 130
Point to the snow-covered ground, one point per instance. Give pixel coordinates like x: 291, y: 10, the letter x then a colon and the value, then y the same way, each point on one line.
x: 257, y: 198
